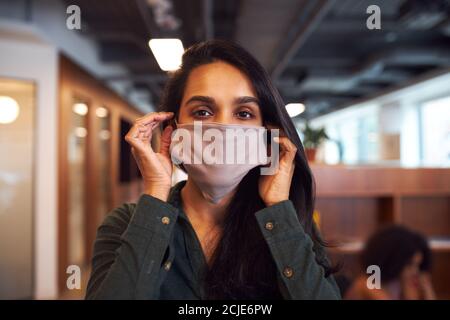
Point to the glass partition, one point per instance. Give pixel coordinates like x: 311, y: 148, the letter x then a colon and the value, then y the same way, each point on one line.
x: 77, y: 147
x: 17, y: 125
x: 103, y: 119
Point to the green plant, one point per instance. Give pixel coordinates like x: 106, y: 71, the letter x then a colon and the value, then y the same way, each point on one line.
x: 312, y: 138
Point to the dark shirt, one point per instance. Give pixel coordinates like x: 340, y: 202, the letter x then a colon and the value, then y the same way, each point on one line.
x: 150, y: 250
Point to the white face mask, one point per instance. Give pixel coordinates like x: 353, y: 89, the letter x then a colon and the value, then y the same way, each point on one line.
x: 218, y: 156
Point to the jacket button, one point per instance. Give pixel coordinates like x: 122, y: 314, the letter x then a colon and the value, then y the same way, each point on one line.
x: 167, y: 265
x: 165, y: 220
x: 269, y: 226
x: 288, y: 272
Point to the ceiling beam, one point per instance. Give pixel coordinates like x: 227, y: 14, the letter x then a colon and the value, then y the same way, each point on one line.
x: 152, y: 30
x: 341, y: 25
x: 120, y: 37
x: 208, y: 8
x: 310, y: 16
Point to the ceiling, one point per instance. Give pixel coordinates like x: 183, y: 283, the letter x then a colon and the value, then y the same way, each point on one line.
x: 318, y: 52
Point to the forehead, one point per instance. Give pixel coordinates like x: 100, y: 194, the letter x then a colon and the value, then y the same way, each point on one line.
x: 218, y: 79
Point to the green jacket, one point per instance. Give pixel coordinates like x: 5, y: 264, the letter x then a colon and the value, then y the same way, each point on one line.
x: 149, y: 250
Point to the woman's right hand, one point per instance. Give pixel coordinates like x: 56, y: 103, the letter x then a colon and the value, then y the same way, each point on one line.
x: 426, y: 286
x: 155, y: 167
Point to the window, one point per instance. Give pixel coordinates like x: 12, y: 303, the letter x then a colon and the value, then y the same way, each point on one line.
x: 435, y: 132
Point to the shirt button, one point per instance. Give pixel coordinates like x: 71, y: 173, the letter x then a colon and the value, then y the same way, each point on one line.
x: 288, y: 272
x: 165, y: 220
x: 167, y: 265
x: 269, y: 226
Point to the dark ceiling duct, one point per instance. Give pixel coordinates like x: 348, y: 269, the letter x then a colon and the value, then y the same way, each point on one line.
x: 423, y: 15
x: 319, y: 52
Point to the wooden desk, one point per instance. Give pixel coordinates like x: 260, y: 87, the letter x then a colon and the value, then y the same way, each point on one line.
x: 355, y: 201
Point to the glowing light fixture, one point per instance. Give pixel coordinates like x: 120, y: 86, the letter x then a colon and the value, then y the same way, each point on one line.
x: 105, y: 134
x: 80, y: 108
x: 80, y: 132
x: 294, y: 109
x: 101, y: 112
x: 167, y: 53
x: 9, y: 110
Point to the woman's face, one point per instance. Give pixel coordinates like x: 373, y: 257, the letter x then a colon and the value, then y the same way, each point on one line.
x: 219, y: 92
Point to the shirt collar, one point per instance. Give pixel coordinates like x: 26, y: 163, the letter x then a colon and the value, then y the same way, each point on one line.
x: 175, y: 198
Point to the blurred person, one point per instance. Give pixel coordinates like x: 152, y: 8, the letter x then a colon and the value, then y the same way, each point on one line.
x: 257, y: 240
x: 404, y: 259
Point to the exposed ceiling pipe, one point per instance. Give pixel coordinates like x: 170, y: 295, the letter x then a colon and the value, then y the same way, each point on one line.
x: 163, y: 16
x: 375, y: 65
x: 374, y: 68
x: 319, y: 11
x: 423, y: 15
x: 152, y: 30
x: 119, y: 37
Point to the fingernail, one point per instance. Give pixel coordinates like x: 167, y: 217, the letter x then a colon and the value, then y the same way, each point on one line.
x: 276, y: 139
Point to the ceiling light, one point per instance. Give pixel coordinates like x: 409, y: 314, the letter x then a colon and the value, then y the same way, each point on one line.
x: 80, y: 108
x: 9, y: 109
x: 167, y: 52
x: 294, y: 109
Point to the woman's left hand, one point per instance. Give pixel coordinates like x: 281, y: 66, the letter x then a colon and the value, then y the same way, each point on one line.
x: 275, y: 188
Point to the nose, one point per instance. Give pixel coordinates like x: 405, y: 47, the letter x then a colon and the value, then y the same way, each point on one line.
x: 224, y: 115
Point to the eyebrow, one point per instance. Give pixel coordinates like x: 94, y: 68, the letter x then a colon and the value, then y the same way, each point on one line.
x: 210, y: 100
x: 246, y: 99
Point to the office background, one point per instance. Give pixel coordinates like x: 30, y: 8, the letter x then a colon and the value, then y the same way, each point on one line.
x: 68, y: 96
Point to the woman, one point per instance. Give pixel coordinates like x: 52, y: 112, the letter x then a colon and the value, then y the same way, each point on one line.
x: 257, y: 241
x: 404, y: 261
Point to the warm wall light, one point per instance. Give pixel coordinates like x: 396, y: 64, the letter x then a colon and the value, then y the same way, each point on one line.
x: 104, y: 134
x: 80, y: 132
x: 80, y: 108
x: 101, y: 112
x: 167, y: 53
x: 294, y: 109
x: 9, y: 109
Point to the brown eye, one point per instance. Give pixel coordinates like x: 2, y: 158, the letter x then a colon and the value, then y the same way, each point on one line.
x: 245, y: 115
x: 202, y: 113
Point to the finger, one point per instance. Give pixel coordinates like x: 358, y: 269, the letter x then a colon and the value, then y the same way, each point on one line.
x: 147, y: 123
x: 139, y: 137
x: 145, y: 135
x: 132, y: 133
x: 285, y: 144
x: 136, y: 133
x: 166, y: 138
x: 288, y: 149
x: 152, y: 117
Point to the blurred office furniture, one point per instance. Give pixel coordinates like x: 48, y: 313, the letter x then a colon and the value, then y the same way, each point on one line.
x: 17, y: 149
x: 354, y: 201
x: 96, y: 172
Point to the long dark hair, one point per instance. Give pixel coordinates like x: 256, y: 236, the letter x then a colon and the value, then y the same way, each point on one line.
x: 242, y: 266
x: 392, y: 249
